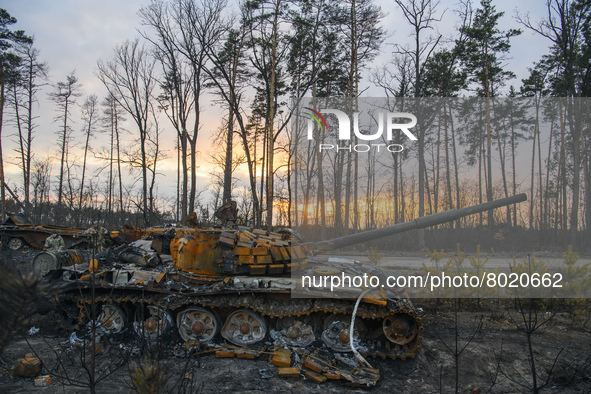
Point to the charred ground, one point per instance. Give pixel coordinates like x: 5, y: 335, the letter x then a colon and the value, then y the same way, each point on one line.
x: 476, y: 344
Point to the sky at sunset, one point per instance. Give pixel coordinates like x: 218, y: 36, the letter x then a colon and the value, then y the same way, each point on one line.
x: 74, y: 34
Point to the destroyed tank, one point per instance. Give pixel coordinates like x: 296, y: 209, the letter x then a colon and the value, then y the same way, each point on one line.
x: 17, y: 232
x: 235, y: 283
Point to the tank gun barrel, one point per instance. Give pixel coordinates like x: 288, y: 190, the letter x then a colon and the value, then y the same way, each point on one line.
x: 421, y: 222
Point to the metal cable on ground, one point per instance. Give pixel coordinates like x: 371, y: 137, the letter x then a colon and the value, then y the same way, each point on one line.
x: 358, y: 356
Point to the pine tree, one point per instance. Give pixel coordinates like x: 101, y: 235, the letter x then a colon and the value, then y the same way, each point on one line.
x: 482, y: 54
x: 9, y: 63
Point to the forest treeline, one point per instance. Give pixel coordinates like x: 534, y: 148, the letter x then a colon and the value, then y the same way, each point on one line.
x: 256, y: 60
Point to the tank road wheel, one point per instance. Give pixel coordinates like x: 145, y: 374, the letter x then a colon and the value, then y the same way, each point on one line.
x: 151, y: 321
x: 111, y: 319
x: 43, y: 263
x: 198, y: 324
x: 297, y: 331
x: 244, y: 328
x: 15, y: 243
x: 336, y: 332
x: 400, y: 328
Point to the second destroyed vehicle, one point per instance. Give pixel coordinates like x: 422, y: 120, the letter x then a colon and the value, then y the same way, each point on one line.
x: 17, y: 232
x: 239, y: 283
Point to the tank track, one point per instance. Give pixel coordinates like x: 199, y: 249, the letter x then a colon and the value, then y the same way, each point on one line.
x: 31, y: 241
x: 28, y: 240
x: 276, y: 309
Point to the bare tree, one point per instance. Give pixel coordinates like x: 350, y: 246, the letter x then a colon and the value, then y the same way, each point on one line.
x: 395, y: 84
x: 129, y: 78
x: 230, y: 87
x: 89, y: 115
x: 421, y: 15
x: 32, y: 74
x: 40, y: 183
x: 219, y: 158
x: 534, y: 315
x: 199, y: 24
x: 177, y: 98
x: 111, y: 121
x: 455, y: 347
x: 64, y: 96
x: 357, y: 22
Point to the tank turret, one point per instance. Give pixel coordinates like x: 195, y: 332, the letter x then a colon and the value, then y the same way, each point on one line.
x: 248, y: 251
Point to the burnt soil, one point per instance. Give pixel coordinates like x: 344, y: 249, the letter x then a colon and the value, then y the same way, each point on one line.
x: 495, y: 358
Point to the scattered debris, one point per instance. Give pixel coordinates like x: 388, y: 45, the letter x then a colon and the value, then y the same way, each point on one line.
x: 101, y: 345
x: 318, y: 366
x: 27, y: 367
x: 266, y: 373
x: 289, y: 372
x: 281, y: 358
x: 74, y: 340
x: 315, y: 377
x: 43, y: 381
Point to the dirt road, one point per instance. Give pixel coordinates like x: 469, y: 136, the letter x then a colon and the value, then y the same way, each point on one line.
x: 416, y: 260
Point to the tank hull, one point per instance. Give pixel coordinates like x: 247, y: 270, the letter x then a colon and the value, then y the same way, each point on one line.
x: 272, y: 301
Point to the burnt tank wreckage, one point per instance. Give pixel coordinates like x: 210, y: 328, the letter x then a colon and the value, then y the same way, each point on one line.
x: 17, y: 232
x: 235, y: 283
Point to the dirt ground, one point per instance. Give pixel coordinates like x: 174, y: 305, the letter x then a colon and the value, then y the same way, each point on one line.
x: 494, y: 360
x: 489, y: 335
